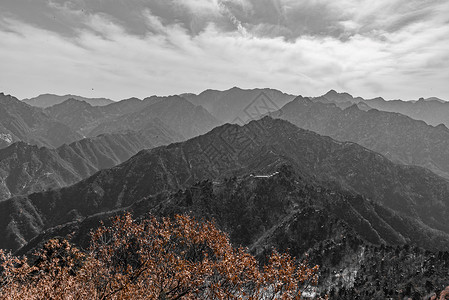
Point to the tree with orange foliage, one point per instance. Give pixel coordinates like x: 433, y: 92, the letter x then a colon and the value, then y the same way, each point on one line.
x: 443, y: 295
x: 177, y: 258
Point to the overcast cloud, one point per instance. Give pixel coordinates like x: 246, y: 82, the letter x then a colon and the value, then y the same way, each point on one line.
x: 124, y: 48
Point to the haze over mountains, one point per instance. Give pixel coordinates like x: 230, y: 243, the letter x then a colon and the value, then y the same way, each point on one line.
x: 329, y: 176
x: 180, y: 115
x: 28, y: 168
x: 118, y: 131
x: 174, y: 113
x: 21, y: 122
x: 73, y: 119
x: 433, y: 111
x: 234, y: 105
x: 47, y: 100
x: 398, y: 137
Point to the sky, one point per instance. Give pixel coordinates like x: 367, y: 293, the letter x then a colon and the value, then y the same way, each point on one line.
x: 397, y: 49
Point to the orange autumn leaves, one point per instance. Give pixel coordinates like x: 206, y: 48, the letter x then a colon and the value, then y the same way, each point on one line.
x: 177, y: 258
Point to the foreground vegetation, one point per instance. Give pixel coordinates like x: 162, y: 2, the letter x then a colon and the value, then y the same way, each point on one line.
x: 152, y: 259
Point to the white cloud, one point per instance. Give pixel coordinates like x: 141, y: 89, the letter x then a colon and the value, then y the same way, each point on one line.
x: 201, y: 7
x: 104, y: 59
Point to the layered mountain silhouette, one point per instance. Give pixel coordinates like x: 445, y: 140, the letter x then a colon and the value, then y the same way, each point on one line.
x: 433, y: 111
x: 47, y: 100
x: 410, y: 203
x: 398, y: 137
x: 174, y: 112
x: 177, y: 113
x: 342, y: 100
x: 22, y: 122
x: 28, y: 168
x: 83, y: 117
x: 334, y: 97
x: 236, y: 105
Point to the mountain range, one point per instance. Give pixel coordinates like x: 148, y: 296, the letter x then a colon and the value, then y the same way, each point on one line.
x: 398, y: 137
x: 73, y: 119
x: 433, y: 111
x: 175, y: 113
x: 239, y: 105
x: 28, y: 168
x: 47, y: 100
x: 329, y: 178
x: 269, y: 185
x: 22, y: 122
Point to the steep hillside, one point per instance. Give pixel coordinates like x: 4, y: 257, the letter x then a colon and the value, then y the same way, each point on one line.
x: 398, y: 137
x: 22, y: 122
x: 47, y: 100
x: 342, y: 232
x: 411, y: 192
x: 26, y: 169
x: 238, y: 105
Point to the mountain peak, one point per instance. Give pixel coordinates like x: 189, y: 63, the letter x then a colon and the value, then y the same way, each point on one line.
x: 435, y: 99
x: 377, y: 99
x: 8, y: 99
x: 74, y: 100
x: 353, y: 107
x: 441, y: 127
x: 47, y: 100
x: 302, y: 99
x: 43, y: 95
x: 331, y: 93
x: 75, y: 103
x: 132, y: 99
x: 333, y: 96
x: 235, y: 88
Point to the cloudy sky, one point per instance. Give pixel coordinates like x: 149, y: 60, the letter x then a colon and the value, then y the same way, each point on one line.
x: 123, y: 48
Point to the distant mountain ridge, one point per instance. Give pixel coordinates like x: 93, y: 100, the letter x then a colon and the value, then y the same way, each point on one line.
x: 234, y: 105
x: 398, y: 137
x: 174, y: 112
x: 434, y: 99
x: 47, y: 100
x: 22, y: 122
x: 433, y: 111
